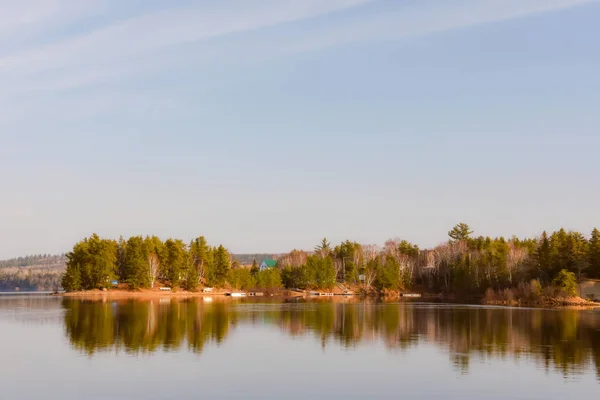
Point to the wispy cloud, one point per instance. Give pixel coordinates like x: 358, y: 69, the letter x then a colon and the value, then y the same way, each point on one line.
x: 184, y: 34
x: 155, y: 31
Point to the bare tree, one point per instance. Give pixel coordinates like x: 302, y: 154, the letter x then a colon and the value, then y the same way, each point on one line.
x: 369, y: 276
x: 516, y: 258
x: 294, y: 259
x: 370, y: 252
x: 154, y: 267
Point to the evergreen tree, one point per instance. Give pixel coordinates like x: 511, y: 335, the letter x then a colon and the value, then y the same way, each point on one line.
x: 460, y: 232
x: 222, y: 265
x: 199, y: 251
x: 176, y: 261
x: 544, y: 257
x: 210, y: 275
x: 137, y: 273
x: 192, y: 278
x: 323, y: 248
x: 121, y: 259
x: 594, y: 254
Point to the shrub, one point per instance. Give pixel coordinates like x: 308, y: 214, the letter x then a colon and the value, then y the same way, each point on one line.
x: 565, y: 282
x: 535, y: 288
x: 490, y: 295
x: 269, y: 279
x: 508, y: 295
x: 241, y: 278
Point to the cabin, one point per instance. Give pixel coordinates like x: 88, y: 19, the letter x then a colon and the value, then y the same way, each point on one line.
x: 207, y: 290
x: 267, y: 264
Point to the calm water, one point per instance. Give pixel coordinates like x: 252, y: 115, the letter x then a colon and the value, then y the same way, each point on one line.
x: 56, y: 348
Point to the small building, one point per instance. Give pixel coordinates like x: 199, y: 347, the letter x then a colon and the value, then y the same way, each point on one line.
x: 267, y: 264
x: 207, y: 290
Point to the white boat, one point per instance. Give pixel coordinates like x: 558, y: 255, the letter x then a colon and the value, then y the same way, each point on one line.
x: 238, y: 294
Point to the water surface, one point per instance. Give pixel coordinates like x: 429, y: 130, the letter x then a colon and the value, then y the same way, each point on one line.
x: 58, y: 348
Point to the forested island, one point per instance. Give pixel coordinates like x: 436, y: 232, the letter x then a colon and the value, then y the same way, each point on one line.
x: 498, y: 269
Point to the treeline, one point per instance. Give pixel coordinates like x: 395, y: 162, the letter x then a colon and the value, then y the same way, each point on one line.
x: 465, y: 264
x: 141, y: 262
x: 34, y: 260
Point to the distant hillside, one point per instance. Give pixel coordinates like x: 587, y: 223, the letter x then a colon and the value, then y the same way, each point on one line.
x: 246, y: 259
x: 34, y: 272
x: 39, y: 260
x: 58, y: 261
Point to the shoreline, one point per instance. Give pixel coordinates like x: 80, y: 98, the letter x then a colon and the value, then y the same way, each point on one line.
x: 555, y: 303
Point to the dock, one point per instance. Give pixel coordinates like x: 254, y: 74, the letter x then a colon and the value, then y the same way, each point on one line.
x: 236, y: 294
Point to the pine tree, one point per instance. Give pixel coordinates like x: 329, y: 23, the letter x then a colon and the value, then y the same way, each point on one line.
x: 594, y: 254
x: 136, y: 263
x: 199, y: 251
x: 192, y: 278
x: 176, y: 256
x: 323, y: 248
x: 222, y: 265
x: 543, y: 257
x: 460, y: 232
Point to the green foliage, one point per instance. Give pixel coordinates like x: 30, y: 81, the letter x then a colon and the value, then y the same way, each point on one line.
x: 543, y: 257
x: 201, y: 255
x: 269, y: 279
x: 177, y: 261
x: 192, y: 279
x: 91, y: 264
x: 219, y: 265
x: 463, y: 265
x: 348, y: 254
x: 565, y: 281
x: 317, y: 273
x: 388, y: 274
x: 241, y: 278
x: 321, y: 272
x: 135, y: 269
x: 323, y: 248
x: 460, y: 232
x: 594, y: 254
x: 71, y: 281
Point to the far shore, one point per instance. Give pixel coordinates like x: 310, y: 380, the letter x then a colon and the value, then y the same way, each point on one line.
x: 148, y: 294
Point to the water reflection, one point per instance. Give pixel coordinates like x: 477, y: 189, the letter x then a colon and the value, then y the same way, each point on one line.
x: 563, y: 340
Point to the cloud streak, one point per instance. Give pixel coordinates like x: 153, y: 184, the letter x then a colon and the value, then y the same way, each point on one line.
x: 182, y: 36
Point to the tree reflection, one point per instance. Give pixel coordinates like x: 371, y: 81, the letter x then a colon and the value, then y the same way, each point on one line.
x: 565, y: 340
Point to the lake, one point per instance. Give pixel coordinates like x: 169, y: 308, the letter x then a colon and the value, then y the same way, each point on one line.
x: 173, y: 348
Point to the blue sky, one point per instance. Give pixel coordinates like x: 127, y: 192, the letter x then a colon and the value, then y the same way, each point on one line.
x: 266, y: 125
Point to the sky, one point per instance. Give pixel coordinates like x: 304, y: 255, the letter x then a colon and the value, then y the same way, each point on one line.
x: 267, y: 125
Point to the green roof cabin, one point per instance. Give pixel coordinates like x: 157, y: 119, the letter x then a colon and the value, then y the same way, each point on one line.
x: 268, y: 263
